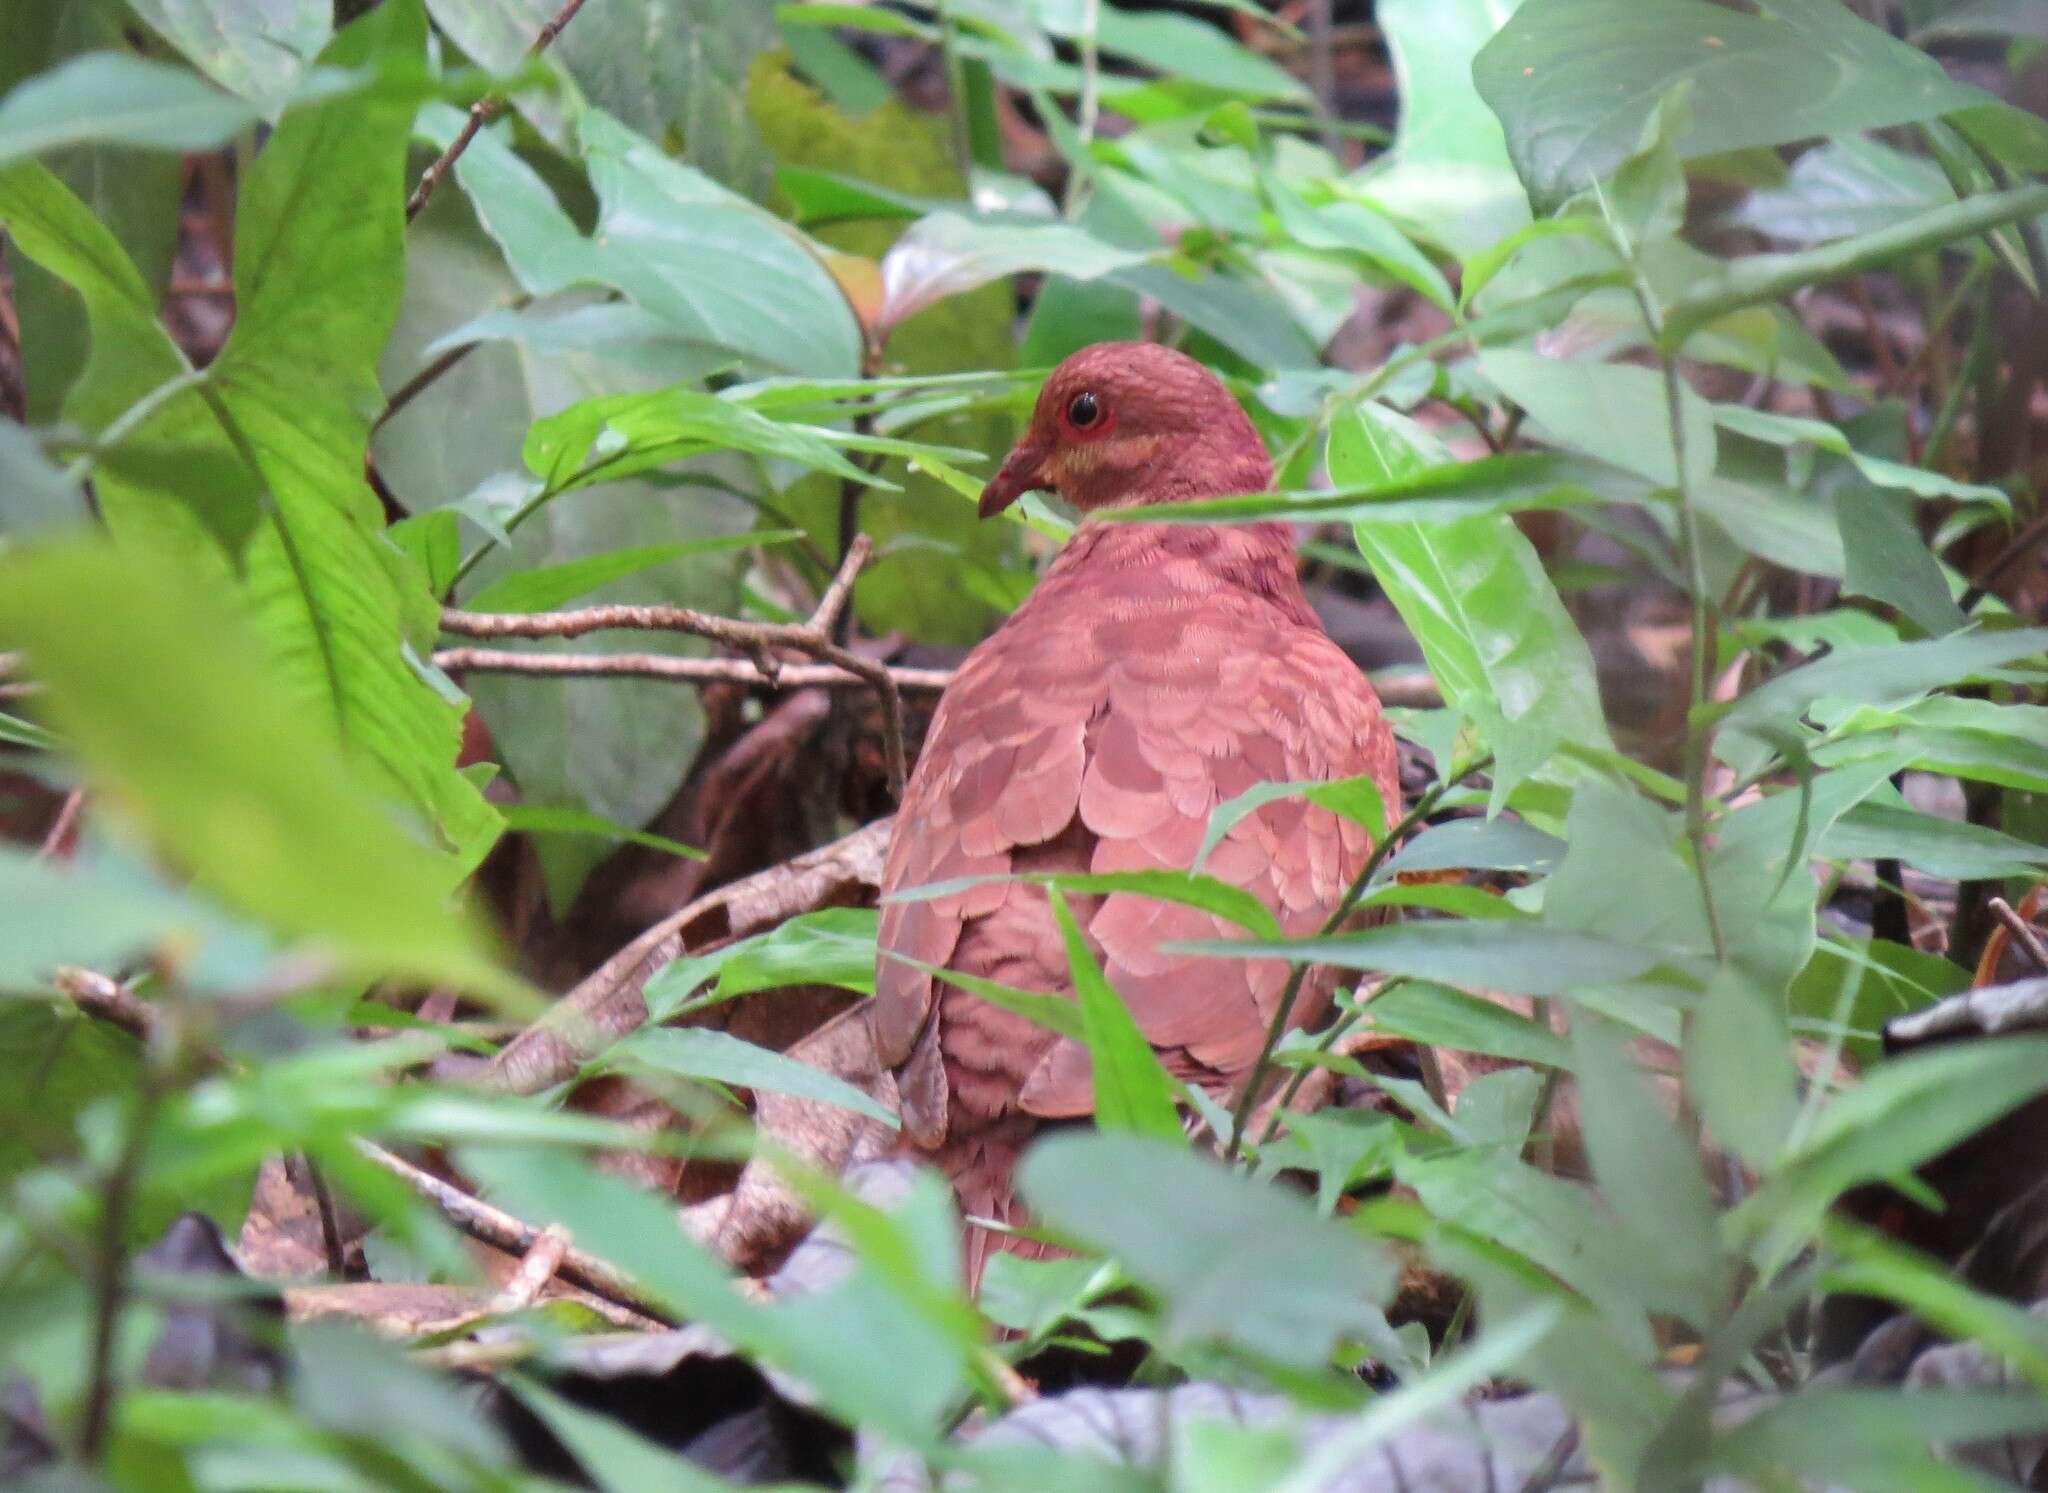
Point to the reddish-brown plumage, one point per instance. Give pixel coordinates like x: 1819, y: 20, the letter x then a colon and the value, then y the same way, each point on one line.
x: 1157, y: 670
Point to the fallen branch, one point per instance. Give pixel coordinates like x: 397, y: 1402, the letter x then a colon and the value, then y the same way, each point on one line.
x: 607, y: 1004
x: 481, y: 113
x: 757, y: 640
x: 500, y: 1230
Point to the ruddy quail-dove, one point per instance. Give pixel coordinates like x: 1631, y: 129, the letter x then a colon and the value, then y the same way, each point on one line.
x: 1156, y: 671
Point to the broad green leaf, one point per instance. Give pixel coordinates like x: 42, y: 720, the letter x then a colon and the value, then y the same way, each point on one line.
x: 1877, y: 677
x: 1246, y: 318
x: 255, y: 48
x: 710, y: 265
x: 947, y: 254
x: 233, y: 781
x: 1190, y: 50
x: 133, y: 370
x: 610, y: 747
x: 1863, y: 983
x: 1449, y: 171
x: 1132, y: 1090
x: 1491, y: 625
x: 537, y: 819
x: 623, y: 435
x: 1875, y: 1438
x: 700, y: 1053
x: 2005, y: 744
x: 1612, y: 411
x: 1574, y: 80
x: 1559, y: 1226
x: 1842, y: 188
x: 1229, y: 1258
x: 319, y: 269
x: 115, y: 98
x: 1885, y: 558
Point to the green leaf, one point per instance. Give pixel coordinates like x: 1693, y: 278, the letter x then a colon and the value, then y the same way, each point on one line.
x: 947, y: 254
x: 233, y: 781
x: 621, y: 435
x: 1444, y: 493
x: 1511, y: 956
x: 319, y: 266
x: 1490, y: 844
x: 1183, y: 48
x: 1884, y: 827
x: 1842, y: 188
x: 1760, y: 278
x: 1132, y: 1090
x: 1448, y: 171
x: 1608, y: 410
x: 1496, y: 635
x: 709, y: 264
x: 134, y: 370
x: 1878, y: 676
x: 1229, y: 1258
x: 34, y: 495
x: 1885, y: 559
x: 538, y: 819
x: 116, y: 98
x: 700, y: 1053
x: 1573, y: 81
x: 1356, y: 799
x: 832, y: 946
x: 1423, y: 1011
x: 1738, y: 1068
x: 255, y: 48
x: 552, y: 586
x: 1898, y: 1115
x: 1791, y: 430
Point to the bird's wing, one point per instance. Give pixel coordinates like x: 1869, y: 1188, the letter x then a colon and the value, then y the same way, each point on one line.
x: 1137, y: 723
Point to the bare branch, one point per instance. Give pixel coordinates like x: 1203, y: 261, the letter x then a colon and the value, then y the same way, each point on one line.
x: 2022, y: 932
x: 756, y: 640
x: 109, y: 1000
x: 481, y: 113
x: 684, y: 670
x: 500, y: 1230
x: 58, y: 840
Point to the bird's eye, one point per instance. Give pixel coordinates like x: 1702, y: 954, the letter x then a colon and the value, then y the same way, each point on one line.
x: 1083, y: 411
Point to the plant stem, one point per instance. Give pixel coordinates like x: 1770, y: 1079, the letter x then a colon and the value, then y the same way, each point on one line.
x: 1275, y: 1029
x: 956, y: 90
x: 1079, y: 170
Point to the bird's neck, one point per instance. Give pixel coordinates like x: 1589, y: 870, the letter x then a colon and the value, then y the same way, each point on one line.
x: 1257, y: 560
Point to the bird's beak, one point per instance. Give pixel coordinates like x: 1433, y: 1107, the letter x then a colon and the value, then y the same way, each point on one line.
x: 1023, y: 470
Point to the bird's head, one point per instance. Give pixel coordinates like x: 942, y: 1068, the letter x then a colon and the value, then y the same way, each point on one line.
x: 1127, y: 423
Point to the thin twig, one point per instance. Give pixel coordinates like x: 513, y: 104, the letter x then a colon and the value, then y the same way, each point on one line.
x: 66, y: 821
x: 1277, y: 1028
x: 481, y: 113
x: 108, y: 1000
x: 755, y: 639
x: 413, y: 387
x: 1081, y: 169
x: 540, y: 1264
x: 330, y: 1219
x: 683, y: 670
x: 500, y: 1230
x: 2022, y: 932
x: 2004, y: 560
x: 110, y: 1277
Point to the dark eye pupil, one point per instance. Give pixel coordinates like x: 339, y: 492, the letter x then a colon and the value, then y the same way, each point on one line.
x: 1083, y: 411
